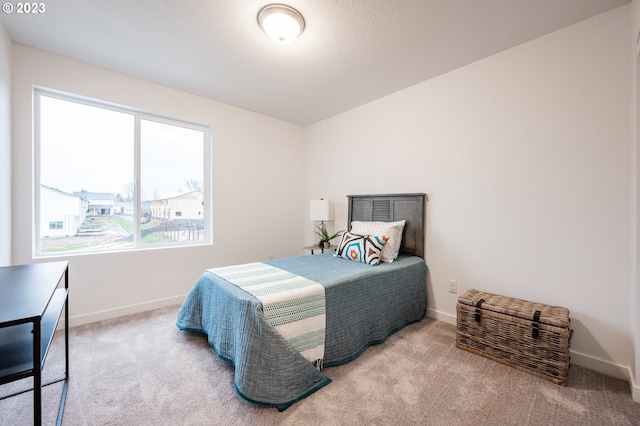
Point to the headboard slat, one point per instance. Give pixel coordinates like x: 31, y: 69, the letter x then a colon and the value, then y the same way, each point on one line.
x: 381, y: 210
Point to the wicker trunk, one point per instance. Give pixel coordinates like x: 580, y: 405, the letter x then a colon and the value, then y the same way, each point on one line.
x: 531, y: 337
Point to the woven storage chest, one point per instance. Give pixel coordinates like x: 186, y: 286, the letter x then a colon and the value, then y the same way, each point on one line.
x: 531, y: 337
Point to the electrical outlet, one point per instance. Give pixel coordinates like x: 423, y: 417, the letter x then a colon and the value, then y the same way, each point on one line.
x: 453, y: 286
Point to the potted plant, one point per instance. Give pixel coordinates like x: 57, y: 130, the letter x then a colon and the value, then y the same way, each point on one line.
x: 325, y: 237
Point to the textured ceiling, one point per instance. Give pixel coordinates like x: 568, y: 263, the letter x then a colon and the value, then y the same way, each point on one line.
x: 351, y: 52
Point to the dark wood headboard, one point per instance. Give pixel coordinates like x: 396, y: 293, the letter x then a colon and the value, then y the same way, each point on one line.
x: 391, y: 208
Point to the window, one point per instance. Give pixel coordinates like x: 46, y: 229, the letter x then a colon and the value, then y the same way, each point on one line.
x: 114, y: 178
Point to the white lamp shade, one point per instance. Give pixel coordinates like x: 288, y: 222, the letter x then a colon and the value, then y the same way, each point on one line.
x: 320, y: 210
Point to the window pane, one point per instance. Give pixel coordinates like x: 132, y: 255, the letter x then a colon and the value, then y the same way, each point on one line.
x: 111, y: 178
x: 86, y: 162
x: 171, y: 182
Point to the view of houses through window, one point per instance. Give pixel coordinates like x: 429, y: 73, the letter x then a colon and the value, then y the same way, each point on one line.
x: 89, y: 157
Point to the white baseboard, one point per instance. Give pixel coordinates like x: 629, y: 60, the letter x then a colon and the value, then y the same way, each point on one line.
x: 635, y: 387
x: 125, y: 310
x: 621, y: 372
x: 601, y: 366
x: 442, y: 316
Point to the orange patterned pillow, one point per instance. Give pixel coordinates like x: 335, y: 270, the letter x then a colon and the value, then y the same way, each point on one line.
x: 361, y: 248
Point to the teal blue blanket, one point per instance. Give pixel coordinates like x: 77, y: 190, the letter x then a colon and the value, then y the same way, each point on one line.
x: 364, y: 305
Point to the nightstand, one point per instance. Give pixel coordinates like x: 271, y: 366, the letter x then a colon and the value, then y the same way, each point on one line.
x: 316, y: 248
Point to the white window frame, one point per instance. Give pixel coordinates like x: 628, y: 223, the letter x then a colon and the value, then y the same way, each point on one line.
x: 139, y: 115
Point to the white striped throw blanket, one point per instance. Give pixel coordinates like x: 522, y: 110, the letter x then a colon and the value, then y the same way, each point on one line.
x: 294, y: 305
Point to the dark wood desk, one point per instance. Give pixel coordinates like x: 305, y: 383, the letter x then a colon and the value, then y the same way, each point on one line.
x: 30, y: 307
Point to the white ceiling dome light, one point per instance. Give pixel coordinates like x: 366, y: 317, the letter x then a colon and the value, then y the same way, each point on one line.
x: 282, y: 23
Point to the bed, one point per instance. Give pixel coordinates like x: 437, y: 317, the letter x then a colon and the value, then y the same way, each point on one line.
x: 361, y: 305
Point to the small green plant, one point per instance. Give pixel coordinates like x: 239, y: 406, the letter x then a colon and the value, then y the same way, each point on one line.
x: 324, y: 235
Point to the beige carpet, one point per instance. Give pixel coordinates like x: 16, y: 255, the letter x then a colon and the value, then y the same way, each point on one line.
x: 142, y: 370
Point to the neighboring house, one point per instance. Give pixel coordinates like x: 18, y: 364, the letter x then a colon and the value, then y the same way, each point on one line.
x: 100, y: 203
x: 187, y: 206
x: 127, y: 208
x: 61, y: 213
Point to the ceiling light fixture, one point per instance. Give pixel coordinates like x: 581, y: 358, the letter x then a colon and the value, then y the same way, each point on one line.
x: 281, y: 22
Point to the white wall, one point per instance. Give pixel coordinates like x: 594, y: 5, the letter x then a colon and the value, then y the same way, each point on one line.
x: 258, y: 188
x: 635, y: 195
x: 5, y: 147
x: 525, y: 158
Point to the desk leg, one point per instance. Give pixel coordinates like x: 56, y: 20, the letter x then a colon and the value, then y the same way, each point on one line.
x: 63, y: 397
x: 66, y: 326
x: 37, y: 373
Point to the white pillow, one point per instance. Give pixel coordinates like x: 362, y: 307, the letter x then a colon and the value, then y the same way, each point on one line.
x: 391, y: 229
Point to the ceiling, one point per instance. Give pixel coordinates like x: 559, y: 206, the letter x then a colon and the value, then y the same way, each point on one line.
x: 351, y: 52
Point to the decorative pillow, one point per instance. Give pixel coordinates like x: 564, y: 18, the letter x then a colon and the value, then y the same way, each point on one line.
x: 392, y: 229
x: 361, y: 248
